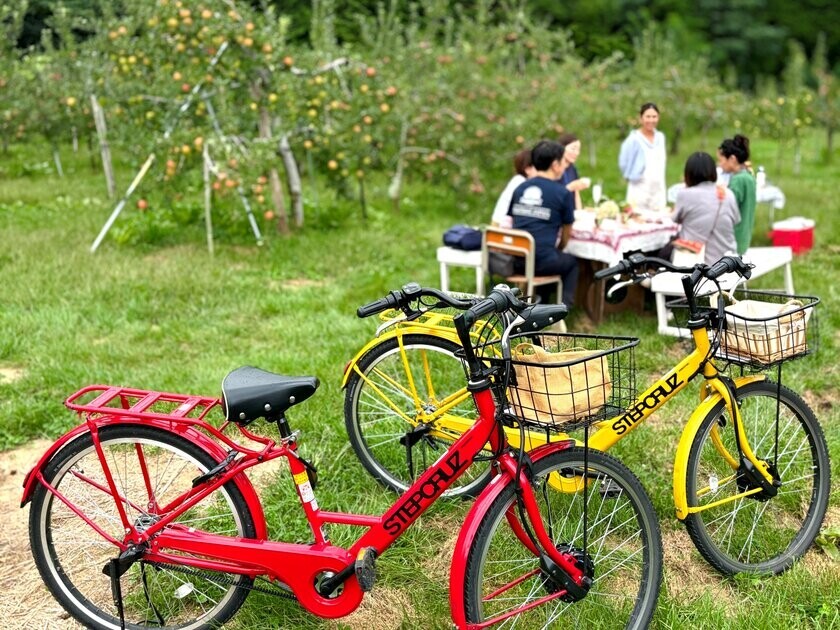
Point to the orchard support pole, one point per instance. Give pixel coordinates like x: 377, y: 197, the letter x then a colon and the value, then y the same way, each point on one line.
x: 239, y: 190
x: 104, y: 149
x: 138, y: 178
x: 208, y: 194
x: 143, y: 169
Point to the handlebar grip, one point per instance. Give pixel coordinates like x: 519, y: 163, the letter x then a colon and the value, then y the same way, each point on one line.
x: 493, y: 303
x: 728, y: 264
x: 377, y: 306
x: 622, y: 267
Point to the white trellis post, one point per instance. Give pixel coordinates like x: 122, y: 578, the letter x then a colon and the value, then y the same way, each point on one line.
x: 145, y: 168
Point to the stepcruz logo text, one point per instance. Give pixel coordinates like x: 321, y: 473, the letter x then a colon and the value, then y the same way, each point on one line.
x: 633, y: 415
x: 429, y: 490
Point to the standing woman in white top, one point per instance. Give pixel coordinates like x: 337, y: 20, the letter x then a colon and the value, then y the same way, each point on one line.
x: 524, y: 170
x: 642, y: 162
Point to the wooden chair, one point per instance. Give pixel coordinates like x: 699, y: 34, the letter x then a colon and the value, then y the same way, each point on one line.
x: 521, y: 244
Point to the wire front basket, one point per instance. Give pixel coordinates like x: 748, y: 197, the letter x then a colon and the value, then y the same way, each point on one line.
x: 563, y: 380
x: 760, y: 328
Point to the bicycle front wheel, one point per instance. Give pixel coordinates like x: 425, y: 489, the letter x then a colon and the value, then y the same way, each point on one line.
x: 396, y: 409
x: 150, y: 467
x: 504, y: 581
x: 758, y: 533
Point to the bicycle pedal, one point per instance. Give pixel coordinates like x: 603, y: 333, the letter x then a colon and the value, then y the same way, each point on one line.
x: 610, y: 490
x: 366, y: 569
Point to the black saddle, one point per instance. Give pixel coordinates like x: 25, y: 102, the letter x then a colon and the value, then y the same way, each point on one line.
x: 249, y: 393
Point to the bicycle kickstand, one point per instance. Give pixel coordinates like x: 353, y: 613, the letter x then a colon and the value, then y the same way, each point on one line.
x: 113, y: 567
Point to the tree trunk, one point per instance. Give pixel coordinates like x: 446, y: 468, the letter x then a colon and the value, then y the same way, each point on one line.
x: 675, y: 140
x: 75, y: 140
x: 362, y: 200
x: 105, y: 150
x: 274, y: 178
x: 829, y: 142
x: 293, y: 177
x: 395, y: 188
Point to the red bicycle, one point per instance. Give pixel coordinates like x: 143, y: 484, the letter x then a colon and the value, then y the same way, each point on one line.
x: 143, y: 514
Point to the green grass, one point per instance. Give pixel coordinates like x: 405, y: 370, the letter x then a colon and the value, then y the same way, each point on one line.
x: 172, y: 318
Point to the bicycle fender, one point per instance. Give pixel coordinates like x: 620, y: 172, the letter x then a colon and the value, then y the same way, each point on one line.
x: 687, y: 438
x: 466, y: 537
x: 29, y: 479
x: 197, y: 437
x: 401, y: 331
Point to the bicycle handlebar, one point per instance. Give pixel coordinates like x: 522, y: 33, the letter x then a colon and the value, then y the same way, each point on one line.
x: 636, y: 261
x: 410, y: 292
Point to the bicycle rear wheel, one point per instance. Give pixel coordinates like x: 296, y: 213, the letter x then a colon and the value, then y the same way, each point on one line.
x: 623, y: 546
x: 70, y: 554
x: 758, y: 533
x: 404, y: 394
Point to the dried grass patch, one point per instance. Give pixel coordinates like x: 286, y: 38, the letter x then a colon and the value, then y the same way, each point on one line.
x: 11, y: 374
x: 689, y: 578
x: 25, y: 602
x: 384, y: 608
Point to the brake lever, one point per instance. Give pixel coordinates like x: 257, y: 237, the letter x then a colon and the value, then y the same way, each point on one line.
x: 620, y: 285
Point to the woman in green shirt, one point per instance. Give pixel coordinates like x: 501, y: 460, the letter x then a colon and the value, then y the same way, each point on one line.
x: 733, y: 155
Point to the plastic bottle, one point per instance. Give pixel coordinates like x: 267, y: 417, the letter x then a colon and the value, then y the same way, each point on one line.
x: 760, y: 178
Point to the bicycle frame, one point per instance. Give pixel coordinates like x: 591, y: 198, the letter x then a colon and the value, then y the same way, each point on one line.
x: 608, y: 432
x: 301, y: 567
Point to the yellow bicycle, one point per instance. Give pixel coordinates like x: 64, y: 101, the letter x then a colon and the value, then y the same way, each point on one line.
x: 751, y: 471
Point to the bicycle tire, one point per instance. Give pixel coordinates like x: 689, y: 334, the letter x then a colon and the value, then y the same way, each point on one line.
x: 70, y: 555
x: 623, y: 532
x: 749, y: 534
x: 375, y: 428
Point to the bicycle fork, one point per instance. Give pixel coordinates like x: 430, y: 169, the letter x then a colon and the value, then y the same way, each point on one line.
x: 755, y: 477
x: 564, y: 568
x: 744, y: 459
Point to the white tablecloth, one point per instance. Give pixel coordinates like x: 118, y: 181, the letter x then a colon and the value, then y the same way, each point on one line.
x: 766, y: 194
x: 609, y: 242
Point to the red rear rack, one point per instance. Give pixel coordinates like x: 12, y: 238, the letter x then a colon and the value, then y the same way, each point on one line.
x: 139, y: 403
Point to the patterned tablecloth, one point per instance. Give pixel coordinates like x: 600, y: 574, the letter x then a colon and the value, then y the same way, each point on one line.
x: 608, y: 242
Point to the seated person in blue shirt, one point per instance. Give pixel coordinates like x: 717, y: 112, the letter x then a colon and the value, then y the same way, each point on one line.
x: 544, y: 207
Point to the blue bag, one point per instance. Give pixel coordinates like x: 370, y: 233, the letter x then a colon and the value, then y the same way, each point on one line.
x: 462, y: 237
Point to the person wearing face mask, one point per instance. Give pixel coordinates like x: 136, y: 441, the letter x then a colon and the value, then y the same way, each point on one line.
x: 642, y: 162
x: 573, y: 182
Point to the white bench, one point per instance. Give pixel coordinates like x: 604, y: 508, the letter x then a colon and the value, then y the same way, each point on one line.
x: 765, y: 259
x: 449, y: 256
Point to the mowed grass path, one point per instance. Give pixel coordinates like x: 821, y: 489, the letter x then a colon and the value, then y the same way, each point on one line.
x: 172, y: 318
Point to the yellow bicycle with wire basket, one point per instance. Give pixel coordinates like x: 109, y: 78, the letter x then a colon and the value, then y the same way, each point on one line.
x: 751, y: 474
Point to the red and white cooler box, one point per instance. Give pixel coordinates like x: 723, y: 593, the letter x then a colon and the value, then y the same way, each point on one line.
x: 795, y: 232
